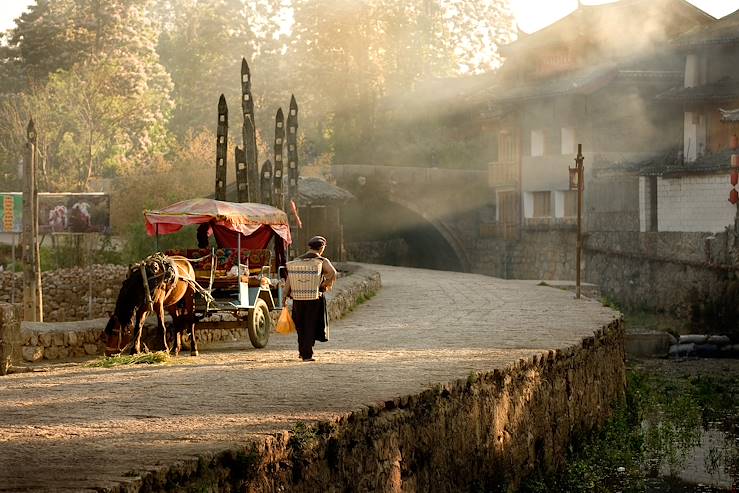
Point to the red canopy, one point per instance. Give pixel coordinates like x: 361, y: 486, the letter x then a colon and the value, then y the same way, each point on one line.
x: 245, y: 218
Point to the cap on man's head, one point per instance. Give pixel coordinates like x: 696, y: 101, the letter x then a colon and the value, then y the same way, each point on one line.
x: 317, y: 242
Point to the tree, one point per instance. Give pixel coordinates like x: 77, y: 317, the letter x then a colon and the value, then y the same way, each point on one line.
x: 90, y: 69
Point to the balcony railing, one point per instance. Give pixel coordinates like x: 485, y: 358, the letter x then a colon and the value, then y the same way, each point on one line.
x: 503, y: 173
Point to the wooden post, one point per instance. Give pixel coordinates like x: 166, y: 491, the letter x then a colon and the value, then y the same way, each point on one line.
x: 249, y: 136
x: 278, y: 196
x: 242, y: 182
x: 292, y: 166
x: 32, y: 294
x: 292, y: 149
x: 252, y: 169
x: 580, y: 189
x: 221, y: 149
x: 266, y: 183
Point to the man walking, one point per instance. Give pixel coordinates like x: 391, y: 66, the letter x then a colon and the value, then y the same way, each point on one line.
x: 308, y: 278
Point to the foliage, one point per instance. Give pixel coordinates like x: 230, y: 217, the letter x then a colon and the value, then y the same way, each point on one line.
x: 122, y: 89
x: 78, y: 251
x: 610, y: 303
x: 136, y: 359
x: 92, y: 82
x: 654, y: 428
x: 302, y: 435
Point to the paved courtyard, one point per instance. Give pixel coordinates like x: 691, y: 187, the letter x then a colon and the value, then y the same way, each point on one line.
x: 75, y: 427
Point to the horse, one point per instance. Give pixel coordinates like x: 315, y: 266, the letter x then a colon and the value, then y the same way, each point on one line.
x: 58, y: 219
x: 170, y: 281
x: 80, y: 220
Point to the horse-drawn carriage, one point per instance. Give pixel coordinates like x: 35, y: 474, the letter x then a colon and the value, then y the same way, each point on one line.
x: 241, y: 276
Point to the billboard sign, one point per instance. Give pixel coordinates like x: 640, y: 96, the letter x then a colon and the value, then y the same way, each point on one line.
x: 11, y: 208
x: 73, y: 213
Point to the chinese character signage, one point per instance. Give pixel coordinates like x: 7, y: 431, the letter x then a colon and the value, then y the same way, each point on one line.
x: 11, y: 205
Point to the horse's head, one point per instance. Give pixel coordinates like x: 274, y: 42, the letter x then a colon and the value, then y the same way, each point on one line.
x: 120, y: 322
x: 117, y: 336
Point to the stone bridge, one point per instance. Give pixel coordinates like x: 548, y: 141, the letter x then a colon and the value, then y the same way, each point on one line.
x: 434, y: 212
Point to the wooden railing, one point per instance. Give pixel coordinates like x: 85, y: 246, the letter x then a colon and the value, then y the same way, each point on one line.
x: 503, y: 173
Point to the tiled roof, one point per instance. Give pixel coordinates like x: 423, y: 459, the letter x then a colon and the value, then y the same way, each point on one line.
x: 670, y: 164
x: 723, y: 89
x: 582, y: 82
x: 634, y: 70
x: 725, y: 30
x: 729, y: 115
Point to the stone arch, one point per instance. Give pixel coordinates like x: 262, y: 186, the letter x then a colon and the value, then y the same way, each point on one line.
x: 457, y: 247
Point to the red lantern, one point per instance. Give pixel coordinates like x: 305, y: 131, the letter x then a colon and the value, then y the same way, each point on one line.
x: 734, y: 177
x: 733, y: 196
x: 733, y: 142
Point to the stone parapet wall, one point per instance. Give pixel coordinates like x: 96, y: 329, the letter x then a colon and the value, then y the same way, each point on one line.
x: 67, y: 292
x: 487, y: 432
x: 658, y: 271
x: 540, y: 253
x: 59, y: 340
x: 9, y: 336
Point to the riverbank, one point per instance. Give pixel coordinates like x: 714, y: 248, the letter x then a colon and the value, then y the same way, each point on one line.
x: 675, y: 432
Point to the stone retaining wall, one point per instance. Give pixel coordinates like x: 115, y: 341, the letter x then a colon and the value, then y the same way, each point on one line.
x: 59, y: 340
x: 487, y: 432
x: 659, y: 271
x: 67, y: 292
x: 540, y: 253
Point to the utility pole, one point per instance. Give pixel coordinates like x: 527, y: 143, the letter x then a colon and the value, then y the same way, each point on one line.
x: 32, y: 293
x: 577, y: 182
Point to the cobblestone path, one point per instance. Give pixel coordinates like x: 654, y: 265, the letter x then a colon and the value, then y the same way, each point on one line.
x: 74, y: 428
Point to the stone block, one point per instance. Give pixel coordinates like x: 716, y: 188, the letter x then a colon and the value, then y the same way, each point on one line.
x: 719, y: 340
x: 693, y: 339
x: 45, y: 339
x: 91, y: 349
x: 57, y: 339
x: 677, y: 350
x: 70, y: 338
x: 77, y: 351
x: 648, y: 344
x: 52, y: 352
x: 32, y: 353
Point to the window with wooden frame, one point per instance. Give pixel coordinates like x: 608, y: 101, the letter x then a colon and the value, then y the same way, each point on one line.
x: 508, y: 207
x: 542, y: 204
x: 506, y: 147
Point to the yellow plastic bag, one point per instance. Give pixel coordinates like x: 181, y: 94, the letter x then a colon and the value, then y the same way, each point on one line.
x: 285, y: 324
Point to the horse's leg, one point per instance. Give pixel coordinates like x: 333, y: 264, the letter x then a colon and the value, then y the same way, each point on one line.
x: 137, y: 330
x: 178, y: 343
x: 175, y: 328
x: 159, y: 307
x: 190, y: 319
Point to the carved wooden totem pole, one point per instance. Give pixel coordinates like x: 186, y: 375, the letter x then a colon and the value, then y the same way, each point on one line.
x: 221, y: 149
x: 278, y: 196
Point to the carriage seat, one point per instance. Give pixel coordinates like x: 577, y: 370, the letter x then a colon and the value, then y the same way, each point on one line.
x: 225, y: 260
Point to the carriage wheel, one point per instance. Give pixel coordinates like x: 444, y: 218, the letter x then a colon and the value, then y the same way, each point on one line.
x: 258, y: 324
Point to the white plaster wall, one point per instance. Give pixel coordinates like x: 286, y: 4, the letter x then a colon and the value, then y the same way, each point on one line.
x: 694, y: 203
x: 559, y: 203
x: 694, y: 139
x: 528, y: 204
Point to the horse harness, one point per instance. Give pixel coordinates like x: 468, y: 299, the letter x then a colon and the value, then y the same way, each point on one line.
x: 162, y: 267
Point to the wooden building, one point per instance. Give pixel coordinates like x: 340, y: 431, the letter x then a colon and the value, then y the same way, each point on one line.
x: 589, y: 78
